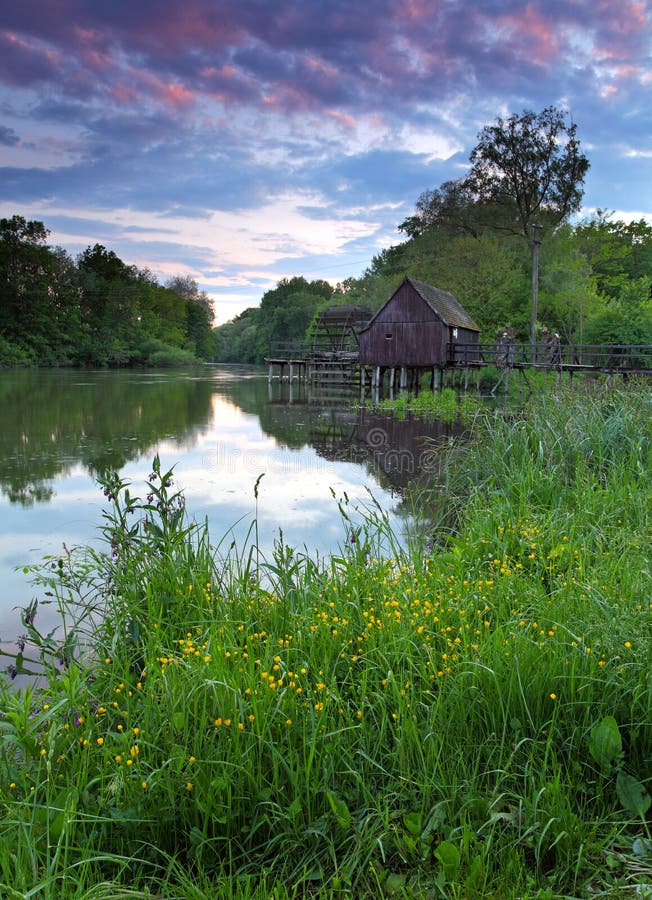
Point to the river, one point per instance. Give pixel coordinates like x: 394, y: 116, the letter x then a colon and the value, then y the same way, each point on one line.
x: 221, y: 428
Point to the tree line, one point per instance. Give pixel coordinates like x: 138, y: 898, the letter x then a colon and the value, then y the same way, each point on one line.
x: 95, y: 310
x: 475, y: 236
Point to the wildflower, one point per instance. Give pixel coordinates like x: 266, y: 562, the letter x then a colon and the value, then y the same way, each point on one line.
x: 189, y: 785
x: 553, y: 696
x: 100, y: 741
x: 628, y: 644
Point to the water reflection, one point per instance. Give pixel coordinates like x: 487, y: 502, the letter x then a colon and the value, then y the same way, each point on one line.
x: 54, y: 420
x: 219, y: 428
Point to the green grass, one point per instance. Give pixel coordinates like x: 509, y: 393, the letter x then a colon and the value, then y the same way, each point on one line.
x: 467, y: 717
x: 447, y: 405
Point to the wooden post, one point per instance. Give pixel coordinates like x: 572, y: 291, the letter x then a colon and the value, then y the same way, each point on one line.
x: 436, y: 379
x: 402, y: 384
x: 270, y: 373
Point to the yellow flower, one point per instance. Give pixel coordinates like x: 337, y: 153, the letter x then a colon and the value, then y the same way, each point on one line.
x: 189, y: 785
x: 100, y: 741
x: 553, y: 696
x: 628, y: 644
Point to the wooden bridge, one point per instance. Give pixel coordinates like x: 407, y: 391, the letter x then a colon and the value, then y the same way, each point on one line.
x: 340, y: 370
x: 606, y: 358
x: 304, y: 360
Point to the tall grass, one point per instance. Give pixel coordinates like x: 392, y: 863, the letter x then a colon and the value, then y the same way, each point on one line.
x: 473, y: 720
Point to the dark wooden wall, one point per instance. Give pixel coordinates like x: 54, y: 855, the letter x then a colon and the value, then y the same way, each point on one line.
x: 406, y: 332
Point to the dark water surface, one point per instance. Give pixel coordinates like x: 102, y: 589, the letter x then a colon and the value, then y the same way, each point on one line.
x: 220, y: 428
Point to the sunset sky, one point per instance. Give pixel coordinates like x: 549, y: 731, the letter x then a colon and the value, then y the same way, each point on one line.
x: 240, y: 141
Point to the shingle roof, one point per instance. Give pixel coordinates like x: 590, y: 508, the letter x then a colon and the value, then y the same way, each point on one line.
x: 444, y: 304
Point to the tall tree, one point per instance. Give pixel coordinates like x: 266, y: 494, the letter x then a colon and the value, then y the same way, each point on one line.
x: 26, y: 264
x: 532, y: 168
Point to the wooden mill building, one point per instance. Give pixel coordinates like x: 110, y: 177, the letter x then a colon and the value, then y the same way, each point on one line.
x: 416, y: 330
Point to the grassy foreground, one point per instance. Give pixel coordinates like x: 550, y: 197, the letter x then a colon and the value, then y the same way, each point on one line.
x: 469, y: 717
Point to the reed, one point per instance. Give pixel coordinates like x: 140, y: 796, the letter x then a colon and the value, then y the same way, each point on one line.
x: 465, y: 714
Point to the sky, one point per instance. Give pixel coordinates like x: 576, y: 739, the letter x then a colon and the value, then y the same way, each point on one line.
x: 239, y: 142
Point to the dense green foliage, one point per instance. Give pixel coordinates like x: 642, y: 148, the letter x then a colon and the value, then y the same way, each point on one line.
x: 467, y: 716
x: 594, y: 286
x: 95, y: 311
x: 474, y: 237
x: 285, y: 314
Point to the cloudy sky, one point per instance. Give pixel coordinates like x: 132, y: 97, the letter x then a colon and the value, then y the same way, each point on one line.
x: 240, y: 141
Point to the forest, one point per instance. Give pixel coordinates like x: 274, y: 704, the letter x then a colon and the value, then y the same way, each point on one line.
x: 594, y: 286
x: 477, y: 236
x: 92, y: 311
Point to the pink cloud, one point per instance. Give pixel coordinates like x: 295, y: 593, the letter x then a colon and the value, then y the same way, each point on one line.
x: 176, y: 95
x: 124, y: 94
x: 342, y: 119
x: 538, y: 38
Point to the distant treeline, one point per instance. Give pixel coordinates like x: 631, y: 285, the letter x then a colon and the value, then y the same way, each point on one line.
x: 594, y: 283
x: 92, y: 311
x: 594, y: 288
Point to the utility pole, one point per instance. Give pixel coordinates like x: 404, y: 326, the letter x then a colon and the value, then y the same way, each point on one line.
x: 536, y: 240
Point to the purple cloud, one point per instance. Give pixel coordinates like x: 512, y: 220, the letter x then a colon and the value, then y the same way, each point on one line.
x: 352, y: 108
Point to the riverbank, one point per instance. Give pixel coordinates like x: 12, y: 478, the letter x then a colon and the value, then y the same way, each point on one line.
x: 467, y: 717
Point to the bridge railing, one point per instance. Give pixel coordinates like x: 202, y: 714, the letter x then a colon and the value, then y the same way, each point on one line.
x: 553, y: 355
x: 305, y: 350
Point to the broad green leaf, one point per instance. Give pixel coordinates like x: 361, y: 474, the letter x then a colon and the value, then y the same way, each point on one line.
x: 413, y: 823
x: 632, y: 795
x: 449, y: 856
x: 340, y: 810
x: 605, y: 744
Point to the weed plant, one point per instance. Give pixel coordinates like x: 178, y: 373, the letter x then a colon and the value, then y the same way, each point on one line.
x: 468, y: 716
x: 447, y: 405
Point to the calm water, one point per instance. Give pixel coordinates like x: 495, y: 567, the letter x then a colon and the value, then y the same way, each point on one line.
x: 220, y: 428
